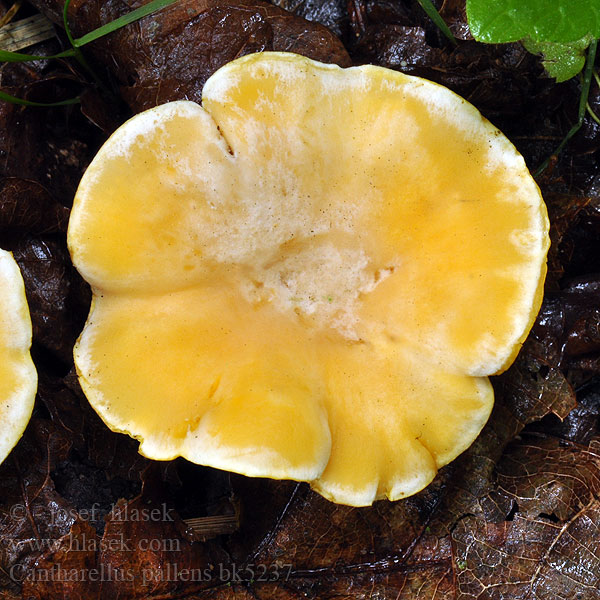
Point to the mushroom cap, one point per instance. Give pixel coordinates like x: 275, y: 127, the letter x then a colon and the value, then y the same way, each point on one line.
x: 18, y: 377
x: 308, y: 277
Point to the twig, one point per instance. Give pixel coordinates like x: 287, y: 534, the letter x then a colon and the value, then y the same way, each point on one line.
x: 583, y: 101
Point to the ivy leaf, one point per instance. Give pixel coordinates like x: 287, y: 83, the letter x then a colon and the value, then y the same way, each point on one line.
x: 500, y: 21
x: 561, y: 61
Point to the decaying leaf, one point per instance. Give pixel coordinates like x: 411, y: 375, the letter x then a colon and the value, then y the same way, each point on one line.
x: 551, y: 547
x: 151, y: 58
x: 32, y: 514
x: 25, y: 205
x: 57, y: 296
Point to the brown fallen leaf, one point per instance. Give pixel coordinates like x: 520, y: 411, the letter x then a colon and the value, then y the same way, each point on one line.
x: 68, y: 141
x: 550, y: 477
x: 58, y: 298
x: 333, y: 14
x: 535, y: 556
x: 143, y: 553
x: 32, y: 514
x: 67, y: 569
x: 564, y: 211
x: 550, y: 547
x: 26, y: 205
x: 170, y: 54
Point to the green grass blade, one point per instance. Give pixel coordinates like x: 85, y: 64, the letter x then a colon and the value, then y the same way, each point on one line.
x: 77, y: 53
x: 66, y: 23
x: 6, y: 56
x: 134, y: 15
x: 13, y: 100
x: 435, y: 16
x: 587, y: 80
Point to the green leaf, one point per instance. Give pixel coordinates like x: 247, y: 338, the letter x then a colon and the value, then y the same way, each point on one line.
x: 561, y: 61
x: 14, y: 100
x: 134, y: 15
x: 500, y: 21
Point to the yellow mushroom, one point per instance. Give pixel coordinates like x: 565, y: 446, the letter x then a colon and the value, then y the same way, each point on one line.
x: 18, y: 377
x: 308, y: 277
